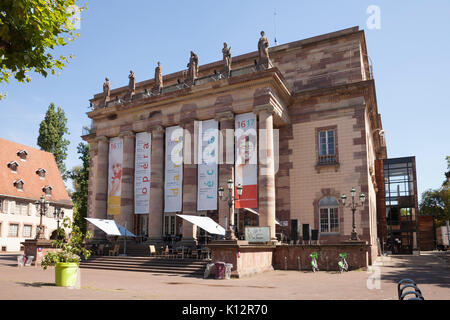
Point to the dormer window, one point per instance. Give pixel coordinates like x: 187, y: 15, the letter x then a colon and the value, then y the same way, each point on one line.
x: 19, y: 184
x: 47, y: 190
x: 41, y: 173
x: 22, y: 154
x: 13, y: 166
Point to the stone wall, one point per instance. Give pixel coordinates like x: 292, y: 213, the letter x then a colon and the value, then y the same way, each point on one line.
x: 285, y: 257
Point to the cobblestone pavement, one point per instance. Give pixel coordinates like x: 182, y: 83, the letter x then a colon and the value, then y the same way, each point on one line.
x: 378, y: 283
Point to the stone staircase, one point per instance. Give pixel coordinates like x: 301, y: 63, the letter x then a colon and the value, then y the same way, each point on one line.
x: 186, y: 267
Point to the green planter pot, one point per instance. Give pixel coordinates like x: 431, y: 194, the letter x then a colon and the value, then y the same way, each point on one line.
x: 66, y: 274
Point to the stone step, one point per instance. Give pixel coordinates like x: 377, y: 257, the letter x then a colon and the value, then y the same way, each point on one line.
x: 146, y: 264
x: 149, y: 270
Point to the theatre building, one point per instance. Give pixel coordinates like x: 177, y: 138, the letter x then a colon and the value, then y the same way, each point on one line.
x: 295, y: 125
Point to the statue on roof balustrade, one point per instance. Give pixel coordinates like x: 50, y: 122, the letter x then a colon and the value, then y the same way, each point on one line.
x: 193, y: 67
x: 263, y: 51
x: 226, y: 59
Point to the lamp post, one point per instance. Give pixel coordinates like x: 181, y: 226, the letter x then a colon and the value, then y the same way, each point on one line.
x: 58, y: 215
x: 353, y: 205
x: 41, y: 207
x: 229, y: 234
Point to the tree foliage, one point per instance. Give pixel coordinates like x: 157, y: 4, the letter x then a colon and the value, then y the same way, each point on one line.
x: 80, y: 178
x: 72, y: 247
x: 51, y: 136
x: 29, y: 29
x: 436, y: 202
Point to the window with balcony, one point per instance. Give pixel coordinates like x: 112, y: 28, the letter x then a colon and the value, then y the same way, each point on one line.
x: 327, y: 147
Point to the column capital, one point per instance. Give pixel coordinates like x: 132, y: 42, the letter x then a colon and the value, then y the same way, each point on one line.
x: 226, y: 115
x: 127, y: 133
x: 156, y: 129
x: 101, y: 139
x: 185, y: 122
x: 266, y: 107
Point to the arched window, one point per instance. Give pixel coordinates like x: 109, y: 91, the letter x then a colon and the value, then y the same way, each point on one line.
x: 328, y: 215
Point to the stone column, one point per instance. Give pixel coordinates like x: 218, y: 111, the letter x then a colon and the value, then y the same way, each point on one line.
x: 156, y: 214
x: 226, y: 162
x: 101, y: 183
x: 266, y: 176
x: 126, y: 217
x: 189, y: 230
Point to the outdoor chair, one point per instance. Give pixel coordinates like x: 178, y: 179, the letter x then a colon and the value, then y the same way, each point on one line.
x: 194, y: 253
x: 180, y: 252
x: 115, y: 251
x: 20, y: 260
x: 29, y: 261
x: 100, y: 249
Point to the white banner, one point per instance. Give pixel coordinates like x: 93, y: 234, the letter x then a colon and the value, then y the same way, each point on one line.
x: 173, y: 184
x: 208, y: 148
x: 142, y: 173
x: 246, y: 170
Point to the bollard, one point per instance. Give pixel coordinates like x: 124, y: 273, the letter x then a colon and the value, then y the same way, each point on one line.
x: 285, y: 263
x: 299, y: 266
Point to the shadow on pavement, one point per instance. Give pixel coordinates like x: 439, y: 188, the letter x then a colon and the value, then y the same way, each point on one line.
x: 422, y: 269
x: 37, y: 284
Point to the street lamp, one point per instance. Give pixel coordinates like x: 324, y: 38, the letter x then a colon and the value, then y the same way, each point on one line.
x: 58, y: 215
x: 41, y: 207
x: 229, y: 235
x: 353, y: 206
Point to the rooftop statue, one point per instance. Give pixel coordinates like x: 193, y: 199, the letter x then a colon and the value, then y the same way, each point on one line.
x: 106, y: 90
x: 226, y: 59
x: 158, y: 77
x: 263, y: 50
x: 131, y: 83
x: 193, y: 67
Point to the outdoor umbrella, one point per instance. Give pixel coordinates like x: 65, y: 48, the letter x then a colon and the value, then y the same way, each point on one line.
x: 206, y: 223
x: 112, y: 228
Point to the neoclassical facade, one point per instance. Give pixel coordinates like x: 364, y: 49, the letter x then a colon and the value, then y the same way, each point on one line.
x: 318, y: 135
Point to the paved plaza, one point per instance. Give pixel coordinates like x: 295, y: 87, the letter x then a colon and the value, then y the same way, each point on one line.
x: 430, y: 272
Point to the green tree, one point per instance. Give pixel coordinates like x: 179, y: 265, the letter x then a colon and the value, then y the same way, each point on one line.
x: 436, y: 202
x: 51, y: 136
x: 29, y: 29
x: 80, y: 178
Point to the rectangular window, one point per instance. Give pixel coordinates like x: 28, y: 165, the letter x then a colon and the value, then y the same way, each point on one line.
x: 169, y: 224
x: 27, y: 231
x: 13, y: 230
x: 329, y: 221
x: 1, y: 205
x: 21, y: 208
x: 327, y: 146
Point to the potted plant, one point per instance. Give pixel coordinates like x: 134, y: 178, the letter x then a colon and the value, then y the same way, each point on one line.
x: 67, y: 259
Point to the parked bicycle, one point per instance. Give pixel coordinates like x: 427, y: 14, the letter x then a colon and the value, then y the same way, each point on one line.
x: 343, y: 265
x: 314, y: 265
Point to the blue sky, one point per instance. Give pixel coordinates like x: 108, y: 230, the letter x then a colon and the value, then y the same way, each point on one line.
x: 410, y: 55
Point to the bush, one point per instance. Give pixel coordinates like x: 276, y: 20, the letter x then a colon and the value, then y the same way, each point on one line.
x: 71, y: 247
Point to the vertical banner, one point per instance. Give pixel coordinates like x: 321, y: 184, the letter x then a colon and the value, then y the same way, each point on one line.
x: 115, y: 175
x: 246, y: 155
x: 142, y: 173
x: 173, y: 184
x: 208, y: 148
